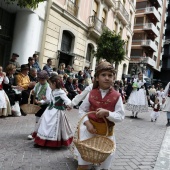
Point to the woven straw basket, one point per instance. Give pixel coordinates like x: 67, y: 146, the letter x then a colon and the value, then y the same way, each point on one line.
x: 95, y: 149
x: 30, y: 108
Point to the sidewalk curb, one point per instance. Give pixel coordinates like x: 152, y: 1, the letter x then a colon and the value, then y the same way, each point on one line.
x: 163, y: 160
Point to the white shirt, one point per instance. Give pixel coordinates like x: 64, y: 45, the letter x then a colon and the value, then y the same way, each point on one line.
x: 115, y: 116
x: 47, y: 95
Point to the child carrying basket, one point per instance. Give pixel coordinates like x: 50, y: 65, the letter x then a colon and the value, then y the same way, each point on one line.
x: 103, y: 103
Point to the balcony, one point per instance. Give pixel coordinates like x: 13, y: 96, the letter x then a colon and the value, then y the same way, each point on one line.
x: 149, y: 61
x: 147, y: 27
x: 96, y: 26
x: 148, y: 44
x: 151, y: 12
x: 156, y: 3
x: 72, y: 8
x: 167, y: 41
x: 110, y: 3
x: 121, y: 12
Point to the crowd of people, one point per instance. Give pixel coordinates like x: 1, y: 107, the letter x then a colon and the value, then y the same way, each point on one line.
x: 58, y: 89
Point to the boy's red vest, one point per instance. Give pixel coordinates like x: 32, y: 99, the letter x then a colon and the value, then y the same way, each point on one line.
x: 108, y: 102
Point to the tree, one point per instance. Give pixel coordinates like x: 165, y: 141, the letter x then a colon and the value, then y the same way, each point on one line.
x: 110, y: 46
x: 25, y: 3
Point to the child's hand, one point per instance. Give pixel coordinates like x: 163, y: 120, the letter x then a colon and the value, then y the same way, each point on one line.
x: 44, y: 98
x: 90, y: 127
x: 163, y: 100
x: 68, y: 108
x: 102, y: 113
x: 4, y: 74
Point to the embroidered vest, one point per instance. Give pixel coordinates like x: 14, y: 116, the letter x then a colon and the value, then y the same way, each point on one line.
x: 58, y: 104
x: 42, y: 91
x: 96, y: 101
x: 156, y: 109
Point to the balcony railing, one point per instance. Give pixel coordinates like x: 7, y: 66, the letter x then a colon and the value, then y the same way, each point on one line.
x: 147, y: 26
x: 122, y: 13
x: 167, y: 41
x: 96, y: 24
x: 149, y: 61
x: 149, y: 10
x: 145, y: 43
x: 72, y: 8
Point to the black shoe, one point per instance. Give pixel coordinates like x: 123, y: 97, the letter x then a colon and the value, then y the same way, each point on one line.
x: 168, y: 124
x: 151, y: 120
x: 132, y: 117
x: 136, y: 117
x: 155, y: 119
x: 37, y: 146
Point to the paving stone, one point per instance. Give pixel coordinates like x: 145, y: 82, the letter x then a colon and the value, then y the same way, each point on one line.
x: 138, y: 144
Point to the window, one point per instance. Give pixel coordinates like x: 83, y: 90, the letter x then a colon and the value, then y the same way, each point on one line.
x: 136, y: 52
x: 95, y: 8
x: 104, y: 16
x: 121, y: 32
x: 139, y: 20
x: 89, y: 52
x: 115, y: 27
x: 140, y: 5
x: 66, y: 41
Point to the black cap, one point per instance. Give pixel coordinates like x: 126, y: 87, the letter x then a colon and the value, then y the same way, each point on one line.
x: 24, y: 67
x: 15, y: 54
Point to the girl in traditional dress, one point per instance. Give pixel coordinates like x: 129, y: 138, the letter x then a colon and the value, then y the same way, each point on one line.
x: 53, y: 127
x: 156, y: 107
x: 137, y: 101
x: 107, y: 103
x: 5, y: 108
x: 160, y: 95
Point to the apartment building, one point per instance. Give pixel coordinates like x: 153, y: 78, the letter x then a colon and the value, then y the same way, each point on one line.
x: 72, y: 29
x: 165, y: 70
x: 147, y: 42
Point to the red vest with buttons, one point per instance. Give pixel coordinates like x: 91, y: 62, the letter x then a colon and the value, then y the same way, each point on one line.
x: 96, y: 101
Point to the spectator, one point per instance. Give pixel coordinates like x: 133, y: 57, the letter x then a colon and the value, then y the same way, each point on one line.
x: 61, y: 69
x: 9, y: 88
x: 36, y: 64
x: 13, y: 61
x: 80, y: 75
x: 70, y: 88
x: 22, y: 80
x: 68, y: 70
x: 33, y: 75
x: 54, y: 72
x: 5, y: 108
x: 87, y: 76
x: 81, y: 84
x: 75, y: 85
x: 48, y: 67
x: 30, y: 63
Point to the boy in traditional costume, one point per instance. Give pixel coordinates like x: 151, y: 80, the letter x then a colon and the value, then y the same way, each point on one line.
x: 107, y: 103
x: 42, y: 92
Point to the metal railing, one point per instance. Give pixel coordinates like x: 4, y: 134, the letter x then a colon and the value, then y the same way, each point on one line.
x: 72, y: 7
x: 97, y: 24
x: 119, y: 6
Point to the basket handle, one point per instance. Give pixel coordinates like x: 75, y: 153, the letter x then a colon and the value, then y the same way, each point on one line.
x: 84, y: 117
x: 29, y: 98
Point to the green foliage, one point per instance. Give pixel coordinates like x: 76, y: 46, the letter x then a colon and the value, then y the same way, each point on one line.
x: 110, y: 46
x: 25, y: 3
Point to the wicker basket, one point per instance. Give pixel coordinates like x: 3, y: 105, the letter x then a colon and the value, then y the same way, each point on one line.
x: 95, y: 149
x: 30, y: 108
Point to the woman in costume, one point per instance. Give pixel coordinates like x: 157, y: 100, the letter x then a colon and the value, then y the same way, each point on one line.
x: 137, y: 101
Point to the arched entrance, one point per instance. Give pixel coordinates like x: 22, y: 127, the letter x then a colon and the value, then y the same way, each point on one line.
x: 67, y: 44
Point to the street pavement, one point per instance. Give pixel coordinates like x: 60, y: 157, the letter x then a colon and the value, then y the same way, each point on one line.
x: 138, y: 144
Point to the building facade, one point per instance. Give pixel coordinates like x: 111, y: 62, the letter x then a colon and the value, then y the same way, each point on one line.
x: 72, y: 28
x: 147, y: 42
x: 165, y: 71
x: 21, y: 31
